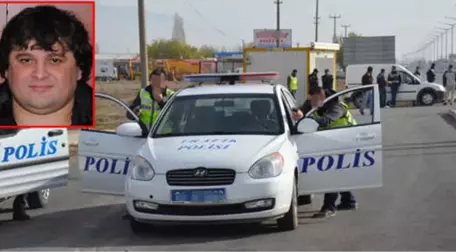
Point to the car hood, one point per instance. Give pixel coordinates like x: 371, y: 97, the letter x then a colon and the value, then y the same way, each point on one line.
x: 436, y: 86
x: 237, y: 152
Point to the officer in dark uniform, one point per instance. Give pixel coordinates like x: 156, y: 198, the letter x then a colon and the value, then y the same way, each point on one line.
x: 313, y: 78
x: 327, y: 80
x: 395, y: 79
x: 381, y: 81
x: 431, y: 73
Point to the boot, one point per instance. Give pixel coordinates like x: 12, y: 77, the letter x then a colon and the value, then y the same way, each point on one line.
x: 19, y: 205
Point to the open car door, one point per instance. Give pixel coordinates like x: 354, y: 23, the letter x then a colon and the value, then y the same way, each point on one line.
x: 33, y: 159
x: 344, y: 158
x: 104, y: 156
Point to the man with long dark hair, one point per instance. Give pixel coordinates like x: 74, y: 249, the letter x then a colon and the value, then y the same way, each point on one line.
x: 46, y: 61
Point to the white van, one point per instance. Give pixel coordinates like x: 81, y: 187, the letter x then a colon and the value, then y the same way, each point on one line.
x: 413, y: 89
x: 33, y: 161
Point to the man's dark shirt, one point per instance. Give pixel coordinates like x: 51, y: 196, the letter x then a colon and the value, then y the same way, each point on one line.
x: 395, y: 78
x: 82, y: 109
x: 417, y: 73
x: 137, y: 101
x: 381, y: 80
x: 313, y: 80
x: 367, y: 79
x: 430, y: 75
x: 327, y: 81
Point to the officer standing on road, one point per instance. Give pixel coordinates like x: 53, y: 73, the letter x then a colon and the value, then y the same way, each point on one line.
x: 151, y: 99
x: 395, y: 79
x: 367, y: 79
x: 417, y: 71
x: 327, y: 80
x: 431, y: 73
x: 333, y: 114
x: 449, y: 82
x: 313, y: 78
x: 381, y: 81
x: 292, y: 82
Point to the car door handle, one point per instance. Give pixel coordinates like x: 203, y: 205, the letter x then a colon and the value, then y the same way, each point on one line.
x: 365, y: 136
x: 90, y: 142
x: 54, y: 133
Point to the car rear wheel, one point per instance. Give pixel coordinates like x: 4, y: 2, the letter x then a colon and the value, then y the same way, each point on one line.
x: 290, y: 220
x: 38, y: 199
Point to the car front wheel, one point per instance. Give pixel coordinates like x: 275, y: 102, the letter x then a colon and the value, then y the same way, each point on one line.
x: 290, y: 220
x: 38, y: 199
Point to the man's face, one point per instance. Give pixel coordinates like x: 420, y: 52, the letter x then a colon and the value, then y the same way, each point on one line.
x: 317, y: 99
x: 42, y: 82
x: 294, y: 73
x: 158, y: 81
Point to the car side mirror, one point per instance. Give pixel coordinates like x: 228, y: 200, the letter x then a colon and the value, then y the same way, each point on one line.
x: 307, y: 125
x: 130, y: 129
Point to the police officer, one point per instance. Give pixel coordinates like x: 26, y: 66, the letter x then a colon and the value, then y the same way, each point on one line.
x: 151, y: 99
x: 333, y: 114
x: 395, y: 81
x: 292, y: 82
x: 431, y: 73
x: 327, y: 80
x: 381, y: 81
x: 313, y: 78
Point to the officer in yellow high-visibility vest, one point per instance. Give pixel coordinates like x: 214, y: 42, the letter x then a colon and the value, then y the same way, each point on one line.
x: 151, y: 99
x: 292, y: 82
x: 332, y: 114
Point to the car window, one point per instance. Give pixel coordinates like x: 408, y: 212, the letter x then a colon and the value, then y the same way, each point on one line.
x: 288, y: 111
x: 291, y: 101
x: 221, y: 114
x: 406, y: 78
x: 358, y: 104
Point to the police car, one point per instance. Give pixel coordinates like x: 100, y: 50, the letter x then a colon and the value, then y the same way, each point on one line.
x: 229, y: 153
x: 33, y: 161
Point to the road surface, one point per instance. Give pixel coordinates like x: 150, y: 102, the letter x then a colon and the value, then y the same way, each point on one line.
x: 413, y: 211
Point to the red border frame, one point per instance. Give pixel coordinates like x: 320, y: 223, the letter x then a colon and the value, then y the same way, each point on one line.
x: 91, y: 2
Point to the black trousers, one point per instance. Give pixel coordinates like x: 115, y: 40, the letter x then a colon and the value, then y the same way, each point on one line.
x: 329, y: 202
x: 394, y: 90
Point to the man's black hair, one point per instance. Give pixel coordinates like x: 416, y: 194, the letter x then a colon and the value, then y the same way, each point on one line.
x: 315, y: 90
x: 47, y: 25
x: 370, y: 69
x: 158, y: 71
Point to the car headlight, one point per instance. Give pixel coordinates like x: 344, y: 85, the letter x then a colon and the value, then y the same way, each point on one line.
x: 267, y: 167
x: 141, y: 169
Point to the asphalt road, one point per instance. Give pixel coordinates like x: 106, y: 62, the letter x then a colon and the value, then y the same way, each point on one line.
x: 413, y: 211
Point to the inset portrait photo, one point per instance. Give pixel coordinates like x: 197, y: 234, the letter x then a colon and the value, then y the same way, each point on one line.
x: 46, y: 65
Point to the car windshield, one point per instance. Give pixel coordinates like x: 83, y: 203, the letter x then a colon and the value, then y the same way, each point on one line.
x: 221, y: 114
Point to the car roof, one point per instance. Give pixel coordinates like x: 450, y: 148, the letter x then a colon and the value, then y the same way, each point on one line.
x: 250, y: 88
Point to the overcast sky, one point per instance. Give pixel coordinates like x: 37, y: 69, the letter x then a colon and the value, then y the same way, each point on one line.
x: 226, y: 23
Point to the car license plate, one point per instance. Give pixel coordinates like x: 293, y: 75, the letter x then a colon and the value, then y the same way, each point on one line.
x: 199, y: 196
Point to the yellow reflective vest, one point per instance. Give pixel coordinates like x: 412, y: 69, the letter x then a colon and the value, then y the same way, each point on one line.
x: 344, y: 121
x: 149, y: 109
x: 293, y: 83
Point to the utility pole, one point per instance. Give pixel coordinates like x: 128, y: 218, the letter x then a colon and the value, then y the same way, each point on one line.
x: 335, y: 17
x: 452, y: 34
x: 317, y: 20
x: 346, y: 29
x: 142, y: 43
x: 278, y: 3
x: 442, y: 31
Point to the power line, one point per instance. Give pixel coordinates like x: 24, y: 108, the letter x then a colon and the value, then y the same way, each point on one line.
x: 278, y: 3
x: 317, y: 20
x: 204, y: 19
x: 346, y: 29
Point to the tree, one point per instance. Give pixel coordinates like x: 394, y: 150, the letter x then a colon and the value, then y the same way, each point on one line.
x: 340, y: 55
x: 173, y: 49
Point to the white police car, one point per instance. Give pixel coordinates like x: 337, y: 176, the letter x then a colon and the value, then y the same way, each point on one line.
x: 229, y: 154
x: 33, y: 161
